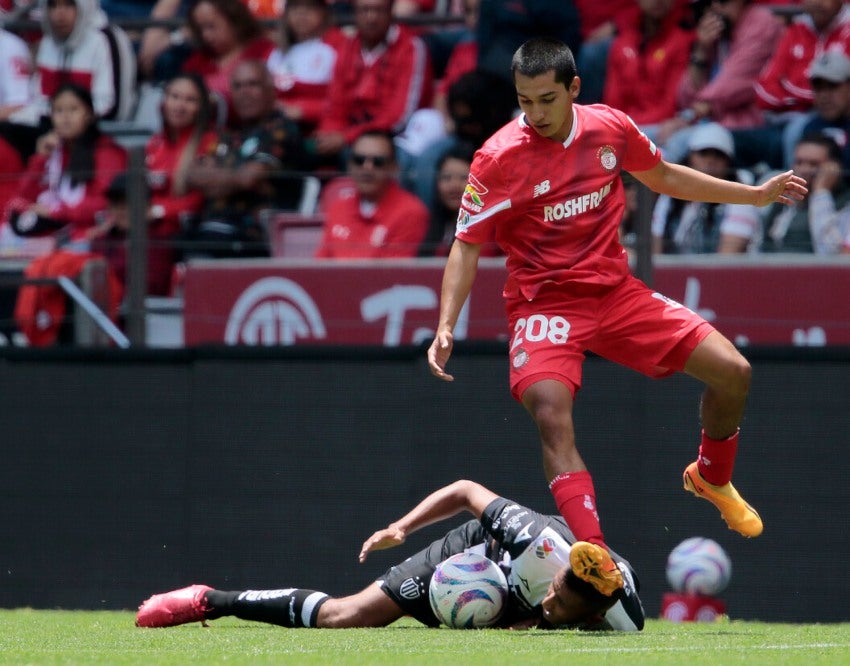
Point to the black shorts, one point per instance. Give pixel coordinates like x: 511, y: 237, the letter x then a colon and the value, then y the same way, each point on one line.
x: 407, y: 583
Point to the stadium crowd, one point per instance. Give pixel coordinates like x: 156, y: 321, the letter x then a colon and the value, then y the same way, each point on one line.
x: 738, y: 88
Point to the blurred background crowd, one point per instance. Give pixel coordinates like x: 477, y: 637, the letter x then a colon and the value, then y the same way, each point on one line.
x: 354, y: 122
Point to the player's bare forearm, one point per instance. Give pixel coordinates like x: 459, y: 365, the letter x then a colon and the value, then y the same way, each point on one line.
x: 681, y: 182
x: 444, y: 503
x: 458, y: 277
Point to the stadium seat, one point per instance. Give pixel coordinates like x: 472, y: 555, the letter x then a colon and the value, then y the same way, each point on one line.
x: 292, y: 234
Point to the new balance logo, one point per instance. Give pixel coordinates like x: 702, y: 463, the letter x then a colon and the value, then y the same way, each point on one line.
x: 541, y: 188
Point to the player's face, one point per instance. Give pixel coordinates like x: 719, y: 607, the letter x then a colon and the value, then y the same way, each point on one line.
x: 561, y: 605
x: 547, y: 104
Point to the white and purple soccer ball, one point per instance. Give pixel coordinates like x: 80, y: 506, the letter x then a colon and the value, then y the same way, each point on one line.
x: 468, y: 591
x: 699, y: 566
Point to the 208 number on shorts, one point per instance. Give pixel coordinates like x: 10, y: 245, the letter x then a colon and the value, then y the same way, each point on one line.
x: 540, y: 327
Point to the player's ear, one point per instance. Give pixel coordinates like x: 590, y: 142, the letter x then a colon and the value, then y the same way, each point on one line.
x: 575, y: 88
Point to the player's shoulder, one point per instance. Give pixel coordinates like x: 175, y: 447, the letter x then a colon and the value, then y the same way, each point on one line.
x: 601, y: 114
x: 506, y: 141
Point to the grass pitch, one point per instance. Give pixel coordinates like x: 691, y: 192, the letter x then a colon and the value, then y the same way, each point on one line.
x: 79, y: 637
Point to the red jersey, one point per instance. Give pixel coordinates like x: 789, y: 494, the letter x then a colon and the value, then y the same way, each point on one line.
x: 556, y: 207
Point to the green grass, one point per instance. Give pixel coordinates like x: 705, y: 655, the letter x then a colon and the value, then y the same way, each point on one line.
x: 77, y: 637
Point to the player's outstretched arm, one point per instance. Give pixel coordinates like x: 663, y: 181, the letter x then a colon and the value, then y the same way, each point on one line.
x: 441, y: 504
x: 682, y: 182
x: 461, y: 267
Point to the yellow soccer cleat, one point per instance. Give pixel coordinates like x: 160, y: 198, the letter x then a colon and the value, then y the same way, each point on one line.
x: 739, y: 515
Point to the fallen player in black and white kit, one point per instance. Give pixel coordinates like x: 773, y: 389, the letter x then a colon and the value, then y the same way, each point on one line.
x: 554, y: 580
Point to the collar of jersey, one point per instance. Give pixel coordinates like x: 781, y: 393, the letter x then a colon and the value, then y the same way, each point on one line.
x: 566, y: 143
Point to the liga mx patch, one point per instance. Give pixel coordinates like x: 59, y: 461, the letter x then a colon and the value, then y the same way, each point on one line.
x: 473, y: 195
x: 544, y: 548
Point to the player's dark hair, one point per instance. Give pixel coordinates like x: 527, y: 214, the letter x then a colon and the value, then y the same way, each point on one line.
x: 596, y: 603
x: 543, y: 54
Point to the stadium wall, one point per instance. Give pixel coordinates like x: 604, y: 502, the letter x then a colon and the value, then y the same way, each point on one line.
x: 131, y: 472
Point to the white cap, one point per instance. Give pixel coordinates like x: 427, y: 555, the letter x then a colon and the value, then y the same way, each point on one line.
x: 712, y: 136
x: 424, y: 128
x: 831, y: 66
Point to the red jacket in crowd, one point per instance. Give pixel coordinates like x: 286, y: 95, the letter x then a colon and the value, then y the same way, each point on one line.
x: 45, y: 181
x: 655, y: 63
x: 784, y: 83
x: 379, y: 89
x: 395, y: 227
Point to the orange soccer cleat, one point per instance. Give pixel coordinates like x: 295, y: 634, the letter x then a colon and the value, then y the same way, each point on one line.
x: 739, y: 515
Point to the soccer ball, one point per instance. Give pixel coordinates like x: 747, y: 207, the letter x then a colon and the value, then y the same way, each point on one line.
x: 468, y: 591
x: 699, y: 566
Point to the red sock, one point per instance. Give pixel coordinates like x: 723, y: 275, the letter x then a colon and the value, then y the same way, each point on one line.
x: 576, y: 500
x: 717, y: 458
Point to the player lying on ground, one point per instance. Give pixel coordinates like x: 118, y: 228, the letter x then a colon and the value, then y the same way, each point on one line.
x: 554, y: 581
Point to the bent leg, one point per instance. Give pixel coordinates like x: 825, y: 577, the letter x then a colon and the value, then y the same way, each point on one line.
x: 726, y: 375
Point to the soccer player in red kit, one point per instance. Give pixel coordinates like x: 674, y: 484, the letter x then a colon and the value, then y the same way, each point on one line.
x: 548, y: 185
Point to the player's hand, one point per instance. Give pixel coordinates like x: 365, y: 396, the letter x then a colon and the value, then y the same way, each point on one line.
x: 785, y: 188
x: 389, y: 537
x: 438, y: 355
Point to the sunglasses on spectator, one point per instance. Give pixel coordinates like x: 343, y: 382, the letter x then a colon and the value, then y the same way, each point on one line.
x: 379, y: 161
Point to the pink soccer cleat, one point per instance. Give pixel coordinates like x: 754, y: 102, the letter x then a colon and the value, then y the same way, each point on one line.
x: 176, y: 607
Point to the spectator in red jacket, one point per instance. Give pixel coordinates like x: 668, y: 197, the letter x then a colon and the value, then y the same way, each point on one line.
x: 600, y: 24
x: 78, y: 44
x: 783, y: 89
x: 734, y: 39
x: 376, y: 218
x: 784, y: 83
x: 653, y: 50
x: 63, y: 187
x: 169, y: 155
x: 382, y: 75
x: 224, y: 33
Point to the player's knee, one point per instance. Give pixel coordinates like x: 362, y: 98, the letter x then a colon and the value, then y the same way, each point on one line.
x: 739, y: 374
x: 549, y: 406
x: 337, y: 614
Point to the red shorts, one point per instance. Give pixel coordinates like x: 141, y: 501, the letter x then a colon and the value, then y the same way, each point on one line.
x: 629, y: 324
